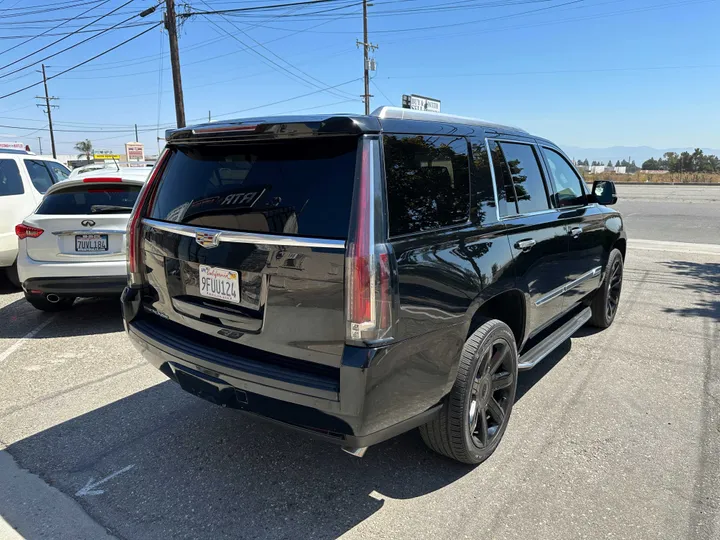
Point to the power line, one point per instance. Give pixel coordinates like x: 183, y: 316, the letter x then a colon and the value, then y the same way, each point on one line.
x: 140, y: 14
x: 42, y: 34
x: 59, y: 40
x: 258, y: 44
x: 85, y: 61
x: 255, y: 8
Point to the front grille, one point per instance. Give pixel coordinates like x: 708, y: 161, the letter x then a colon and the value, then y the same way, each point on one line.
x: 236, y: 356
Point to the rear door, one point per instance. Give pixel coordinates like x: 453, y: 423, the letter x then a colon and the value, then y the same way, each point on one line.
x: 15, y: 203
x: 536, y: 231
x: 584, y: 223
x: 83, y: 221
x: 245, y: 243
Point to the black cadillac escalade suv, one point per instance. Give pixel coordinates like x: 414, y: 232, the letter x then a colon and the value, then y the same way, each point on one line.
x: 354, y: 277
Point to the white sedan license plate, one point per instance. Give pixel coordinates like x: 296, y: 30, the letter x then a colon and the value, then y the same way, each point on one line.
x: 219, y: 283
x: 90, y: 243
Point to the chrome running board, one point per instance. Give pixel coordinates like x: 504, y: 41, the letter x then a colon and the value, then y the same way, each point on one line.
x: 530, y: 359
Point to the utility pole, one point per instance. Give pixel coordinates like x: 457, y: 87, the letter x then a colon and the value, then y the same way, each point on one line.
x: 367, y: 47
x: 171, y: 26
x: 48, y: 110
x: 40, y: 144
x: 209, y: 120
x: 136, y: 135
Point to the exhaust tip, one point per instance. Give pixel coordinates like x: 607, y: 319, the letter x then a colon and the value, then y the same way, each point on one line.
x: 354, y: 451
x: 52, y: 298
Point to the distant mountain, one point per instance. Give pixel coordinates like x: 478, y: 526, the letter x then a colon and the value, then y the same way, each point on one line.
x: 614, y: 153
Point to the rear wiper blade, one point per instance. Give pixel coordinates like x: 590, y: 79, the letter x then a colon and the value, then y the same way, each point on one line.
x: 109, y: 208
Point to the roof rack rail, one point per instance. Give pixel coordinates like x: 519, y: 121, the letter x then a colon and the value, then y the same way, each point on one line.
x: 398, y: 113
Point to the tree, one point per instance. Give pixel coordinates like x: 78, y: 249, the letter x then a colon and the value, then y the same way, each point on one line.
x: 617, y: 163
x: 85, y: 148
x: 609, y: 163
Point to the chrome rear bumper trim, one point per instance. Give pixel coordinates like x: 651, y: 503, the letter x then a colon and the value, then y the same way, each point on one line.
x: 246, y: 237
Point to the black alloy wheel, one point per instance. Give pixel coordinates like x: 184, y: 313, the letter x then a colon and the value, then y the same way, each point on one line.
x: 614, y: 288
x: 606, y: 301
x: 476, y: 413
x: 491, y: 394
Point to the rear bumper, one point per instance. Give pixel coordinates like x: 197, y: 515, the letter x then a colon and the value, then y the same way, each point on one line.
x: 376, y: 393
x: 77, y: 286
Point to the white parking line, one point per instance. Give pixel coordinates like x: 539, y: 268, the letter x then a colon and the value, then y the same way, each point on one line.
x: 678, y: 247
x: 19, y: 343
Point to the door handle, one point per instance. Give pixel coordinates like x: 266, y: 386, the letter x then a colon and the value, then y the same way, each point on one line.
x: 576, y: 231
x: 525, y: 245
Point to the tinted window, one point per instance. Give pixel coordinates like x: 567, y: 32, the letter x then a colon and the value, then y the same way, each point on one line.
x: 485, y: 195
x: 427, y: 182
x: 503, y: 182
x: 90, y: 200
x: 10, y: 181
x: 59, y: 172
x: 567, y: 183
x: 39, y: 175
x: 527, y: 180
x: 300, y: 187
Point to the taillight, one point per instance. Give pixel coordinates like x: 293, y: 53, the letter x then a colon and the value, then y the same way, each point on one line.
x: 134, y: 223
x: 26, y: 231
x: 370, y: 277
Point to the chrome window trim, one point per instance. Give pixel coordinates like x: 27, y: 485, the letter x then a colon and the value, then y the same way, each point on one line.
x: 568, y: 286
x: 238, y: 237
x: 529, y: 214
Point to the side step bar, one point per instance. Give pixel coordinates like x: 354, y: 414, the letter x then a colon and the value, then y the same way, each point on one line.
x: 530, y: 359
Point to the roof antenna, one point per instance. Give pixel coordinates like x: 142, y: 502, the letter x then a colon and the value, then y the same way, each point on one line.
x: 116, y: 164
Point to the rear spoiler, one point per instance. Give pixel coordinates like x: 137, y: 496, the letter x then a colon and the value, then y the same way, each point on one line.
x: 280, y: 127
x: 95, y: 181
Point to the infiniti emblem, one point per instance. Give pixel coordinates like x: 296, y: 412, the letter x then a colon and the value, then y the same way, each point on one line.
x: 207, y: 239
x: 87, y: 223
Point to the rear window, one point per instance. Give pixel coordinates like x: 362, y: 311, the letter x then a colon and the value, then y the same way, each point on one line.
x: 428, y: 182
x: 10, y: 181
x: 90, y: 200
x: 299, y: 187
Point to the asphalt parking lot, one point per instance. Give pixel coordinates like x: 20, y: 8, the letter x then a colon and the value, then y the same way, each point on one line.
x: 616, y: 435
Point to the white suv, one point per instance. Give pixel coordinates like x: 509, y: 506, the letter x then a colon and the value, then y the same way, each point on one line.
x: 23, y: 180
x: 74, y: 243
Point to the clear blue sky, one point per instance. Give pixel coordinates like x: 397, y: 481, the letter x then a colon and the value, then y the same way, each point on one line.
x: 588, y: 73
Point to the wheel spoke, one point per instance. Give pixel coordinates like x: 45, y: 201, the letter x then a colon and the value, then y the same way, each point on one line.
x: 483, y: 427
x: 496, y: 411
x: 504, y: 380
x: 497, y: 359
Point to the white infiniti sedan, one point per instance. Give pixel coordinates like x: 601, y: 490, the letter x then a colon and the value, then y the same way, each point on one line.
x: 73, y: 245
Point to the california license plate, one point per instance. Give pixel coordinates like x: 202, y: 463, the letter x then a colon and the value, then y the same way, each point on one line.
x: 90, y: 243
x: 219, y: 283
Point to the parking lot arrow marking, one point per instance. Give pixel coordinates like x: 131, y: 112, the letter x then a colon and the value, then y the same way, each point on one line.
x: 89, y: 488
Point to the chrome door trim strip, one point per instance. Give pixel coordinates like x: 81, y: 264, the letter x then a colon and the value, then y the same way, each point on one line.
x: 237, y: 237
x: 568, y: 286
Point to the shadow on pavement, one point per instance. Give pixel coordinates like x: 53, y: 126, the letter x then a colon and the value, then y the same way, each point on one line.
x: 200, y: 471
x: 697, y: 277
x: 88, y: 316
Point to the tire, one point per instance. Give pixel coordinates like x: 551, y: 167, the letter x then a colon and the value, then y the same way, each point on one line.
x: 43, y: 304
x: 12, y: 275
x: 605, y: 303
x: 489, y: 360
